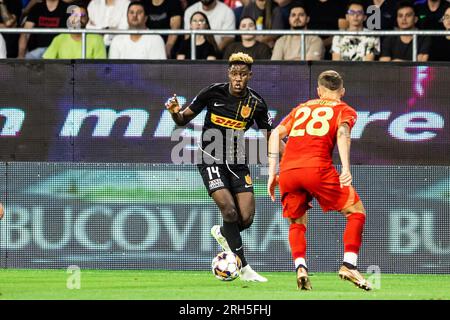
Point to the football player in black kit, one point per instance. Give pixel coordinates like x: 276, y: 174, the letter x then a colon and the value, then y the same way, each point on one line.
x: 232, y: 108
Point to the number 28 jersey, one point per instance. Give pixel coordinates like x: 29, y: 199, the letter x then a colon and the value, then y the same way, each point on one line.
x: 312, y: 130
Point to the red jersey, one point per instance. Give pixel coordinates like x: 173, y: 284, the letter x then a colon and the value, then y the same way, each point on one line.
x: 312, y: 129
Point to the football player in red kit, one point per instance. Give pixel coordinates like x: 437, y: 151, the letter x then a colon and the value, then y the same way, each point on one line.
x: 307, y: 171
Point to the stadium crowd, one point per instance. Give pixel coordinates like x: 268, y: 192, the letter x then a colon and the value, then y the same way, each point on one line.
x: 352, y: 15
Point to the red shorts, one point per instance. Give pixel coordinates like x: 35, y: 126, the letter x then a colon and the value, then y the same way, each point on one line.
x: 299, y: 186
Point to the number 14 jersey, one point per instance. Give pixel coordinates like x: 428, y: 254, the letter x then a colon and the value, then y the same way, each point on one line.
x: 312, y: 128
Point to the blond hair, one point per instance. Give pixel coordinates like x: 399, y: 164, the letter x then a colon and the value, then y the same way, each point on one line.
x: 241, y: 58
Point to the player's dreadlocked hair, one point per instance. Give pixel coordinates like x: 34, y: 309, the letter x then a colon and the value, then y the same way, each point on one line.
x: 240, y: 58
x: 331, y: 80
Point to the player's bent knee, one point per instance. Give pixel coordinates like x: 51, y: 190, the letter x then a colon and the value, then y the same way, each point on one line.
x: 356, y: 208
x: 302, y: 220
x: 229, y: 214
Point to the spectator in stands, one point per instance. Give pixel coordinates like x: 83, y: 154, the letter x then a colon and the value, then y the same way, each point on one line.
x: 440, y: 49
x: 248, y: 44
x: 430, y: 13
x: 45, y: 14
x: 355, y: 48
x: 289, y: 47
x: 396, y: 48
x: 205, y: 45
x: 68, y: 46
x: 28, y: 4
x: 137, y: 46
x: 387, y: 11
x: 327, y: 15
x: 267, y: 17
x: 10, y: 12
x: 108, y: 14
x: 2, y: 47
x: 220, y: 16
x: 164, y: 14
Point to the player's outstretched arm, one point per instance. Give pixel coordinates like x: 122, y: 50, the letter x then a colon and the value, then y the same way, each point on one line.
x: 2, y: 211
x: 275, y: 146
x: 282, y: 144
x: 343, y: 143
x: 181, y: 118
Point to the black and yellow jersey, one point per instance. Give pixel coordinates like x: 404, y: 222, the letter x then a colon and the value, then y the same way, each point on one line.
x: 226, y: 112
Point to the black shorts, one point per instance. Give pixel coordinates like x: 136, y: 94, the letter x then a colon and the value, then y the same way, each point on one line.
x: 234, y: 177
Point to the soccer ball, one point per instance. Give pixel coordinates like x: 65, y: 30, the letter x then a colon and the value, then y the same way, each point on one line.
x: 226, y: 266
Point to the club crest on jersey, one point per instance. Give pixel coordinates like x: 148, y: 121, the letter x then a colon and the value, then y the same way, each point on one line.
x: 248, y: 180
x: 246, y: 111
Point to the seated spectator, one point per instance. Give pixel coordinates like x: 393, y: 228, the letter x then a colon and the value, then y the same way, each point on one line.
x: 108, y: 14
x: 137, y: 46
x: 396, y: 48
x: 45, y: 14
x: 387, y: 11
x: 10, y: 12
x: 249, y: 44
x: 220, y: 16
x: 355, y: 48
x: 267, y: 18
x: 327, y: 15
x: 289, y: 47
x: 164, y: 14
x: 430, y: 13
x: 2, y: 47
x: 28, y: 4
x: 440, y: 48
x: 205, y: 45
x: 68, y: 46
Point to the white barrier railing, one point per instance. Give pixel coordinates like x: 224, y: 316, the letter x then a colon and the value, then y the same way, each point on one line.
x: 414, y: 33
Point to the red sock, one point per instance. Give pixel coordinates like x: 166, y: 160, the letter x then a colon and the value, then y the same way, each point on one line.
x: 353, y: 232
x: 297, y: 240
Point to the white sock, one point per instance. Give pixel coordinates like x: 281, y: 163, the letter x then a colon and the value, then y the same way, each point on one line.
x: 350, y: 257
x: 300, y: 261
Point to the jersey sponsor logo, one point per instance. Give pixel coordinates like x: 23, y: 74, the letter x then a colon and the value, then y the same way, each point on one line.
x: 216, y: 104
x: 227, y: 122
x: 246, y: 111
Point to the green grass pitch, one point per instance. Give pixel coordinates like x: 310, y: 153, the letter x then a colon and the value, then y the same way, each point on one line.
x: 192, y: 285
